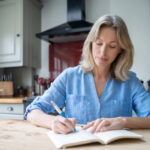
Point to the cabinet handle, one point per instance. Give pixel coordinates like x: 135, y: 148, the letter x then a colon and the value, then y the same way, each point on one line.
x: 18, y: 35
x: 10, y: 108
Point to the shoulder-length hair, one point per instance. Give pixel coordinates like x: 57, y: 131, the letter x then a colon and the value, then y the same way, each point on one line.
x: 119, y: 69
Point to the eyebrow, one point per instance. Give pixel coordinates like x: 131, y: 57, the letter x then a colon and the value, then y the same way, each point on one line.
x: 109, y: 42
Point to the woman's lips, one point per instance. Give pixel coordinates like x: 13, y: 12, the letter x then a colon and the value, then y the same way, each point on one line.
x: 103, y: 59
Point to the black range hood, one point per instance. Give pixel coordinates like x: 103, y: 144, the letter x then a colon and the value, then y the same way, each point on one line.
x: 76, y: 29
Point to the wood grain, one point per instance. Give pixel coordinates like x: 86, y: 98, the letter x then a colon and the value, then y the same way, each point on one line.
x: 21, y: 135
x: 12, y: 99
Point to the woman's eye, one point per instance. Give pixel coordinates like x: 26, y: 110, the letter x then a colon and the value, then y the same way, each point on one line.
x: 112, y: 46
x: 98, y: 43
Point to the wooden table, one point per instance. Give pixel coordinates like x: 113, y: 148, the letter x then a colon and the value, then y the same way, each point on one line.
x: 21, y: 135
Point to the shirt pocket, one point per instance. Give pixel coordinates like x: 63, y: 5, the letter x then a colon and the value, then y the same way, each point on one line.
x: 75, y: 107
x: 121, y: 108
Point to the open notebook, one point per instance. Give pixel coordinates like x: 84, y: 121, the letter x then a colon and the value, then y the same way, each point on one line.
x: 84, y: 136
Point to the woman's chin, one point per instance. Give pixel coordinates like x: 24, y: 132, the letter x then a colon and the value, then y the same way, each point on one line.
x: 100, y: 63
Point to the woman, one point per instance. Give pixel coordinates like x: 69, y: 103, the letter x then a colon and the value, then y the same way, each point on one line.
x: 100, y: 92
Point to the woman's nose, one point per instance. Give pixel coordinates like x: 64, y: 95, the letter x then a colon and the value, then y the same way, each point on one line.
x: 103, y: 50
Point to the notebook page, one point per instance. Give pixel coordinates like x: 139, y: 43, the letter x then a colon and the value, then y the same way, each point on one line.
x: 109, y: 136
x: 76, y: 138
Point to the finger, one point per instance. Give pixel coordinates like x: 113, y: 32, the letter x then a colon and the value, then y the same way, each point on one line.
x: 59, y: 122
x: 102, y: 125
x: 107, y: 128
x: 111, y: 126
x: 90, y: 124
x: 73, y: 120
x: 97, y: 122
x: 66, y: 122
x: 59, y: 128
x: 63, y: 128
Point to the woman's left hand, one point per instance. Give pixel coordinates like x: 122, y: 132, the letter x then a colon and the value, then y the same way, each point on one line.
x: 105, y: 124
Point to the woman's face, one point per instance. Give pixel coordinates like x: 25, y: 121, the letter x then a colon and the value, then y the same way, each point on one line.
x: 106, y: 48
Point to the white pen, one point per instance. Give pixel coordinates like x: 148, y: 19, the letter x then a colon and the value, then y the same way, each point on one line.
x: 58, y: 109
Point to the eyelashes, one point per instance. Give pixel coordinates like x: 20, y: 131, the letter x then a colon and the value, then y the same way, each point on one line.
x: 110, y: 46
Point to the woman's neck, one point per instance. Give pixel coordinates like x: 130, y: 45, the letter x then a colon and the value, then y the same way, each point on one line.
x: 101, y: 73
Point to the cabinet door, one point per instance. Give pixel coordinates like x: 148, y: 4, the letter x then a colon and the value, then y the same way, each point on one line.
x: 12, y: 108
x: 10, y: 116
x: 10, y: 33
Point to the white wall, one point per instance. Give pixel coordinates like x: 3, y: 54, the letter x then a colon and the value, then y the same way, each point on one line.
x: 136, y: 14
x: 54, y: 13
x: 96, y: 8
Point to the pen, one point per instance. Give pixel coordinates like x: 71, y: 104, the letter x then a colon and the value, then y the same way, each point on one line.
x: 60, y: 112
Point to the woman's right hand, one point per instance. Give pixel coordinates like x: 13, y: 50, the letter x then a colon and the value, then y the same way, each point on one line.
x: 61, y: 125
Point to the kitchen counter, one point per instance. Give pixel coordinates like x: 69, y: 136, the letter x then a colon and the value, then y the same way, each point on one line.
x: 13, y: 107
x: 12, y: 99
x: 21, y: 135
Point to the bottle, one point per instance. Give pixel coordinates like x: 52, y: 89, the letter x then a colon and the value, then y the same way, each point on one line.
x: 41, y: 86
x: 33, y: 91
x: 47, y: 83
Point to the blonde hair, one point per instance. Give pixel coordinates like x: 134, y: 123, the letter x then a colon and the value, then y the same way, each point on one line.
x: 120, y: 67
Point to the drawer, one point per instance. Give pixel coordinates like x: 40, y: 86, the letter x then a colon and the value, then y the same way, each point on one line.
x: 9, y: 116
x: 6, y: 108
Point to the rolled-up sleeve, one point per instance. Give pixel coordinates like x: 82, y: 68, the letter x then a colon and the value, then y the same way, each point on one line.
x: 56, y: 92
x: 141, y: 99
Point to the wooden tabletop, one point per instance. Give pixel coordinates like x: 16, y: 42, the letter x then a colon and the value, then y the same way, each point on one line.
x: 12, y: 99
x: 21, y: 135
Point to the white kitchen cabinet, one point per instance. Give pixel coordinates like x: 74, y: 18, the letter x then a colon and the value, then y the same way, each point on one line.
x: 12, y: 111
x: 20, y: 20
x: 13, y: 108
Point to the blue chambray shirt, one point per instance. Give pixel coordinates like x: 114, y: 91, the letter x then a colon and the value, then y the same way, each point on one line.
x: 77, y: 90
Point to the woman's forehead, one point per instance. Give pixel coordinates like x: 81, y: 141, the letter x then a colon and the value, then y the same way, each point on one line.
x: 107, y: 33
